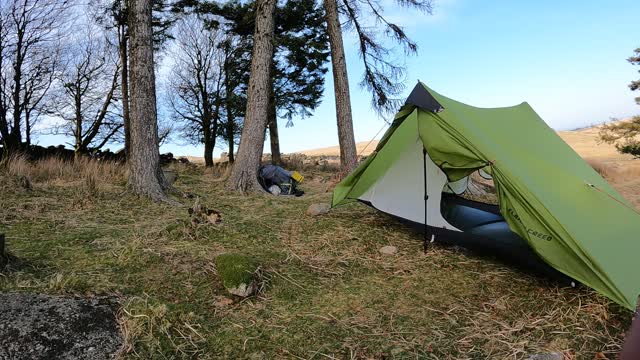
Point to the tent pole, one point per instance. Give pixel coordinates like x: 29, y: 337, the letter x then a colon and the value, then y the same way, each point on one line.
x: 426, y: 197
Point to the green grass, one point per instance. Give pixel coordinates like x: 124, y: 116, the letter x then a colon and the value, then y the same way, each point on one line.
x: 327, y: 291
x: 235, y: 269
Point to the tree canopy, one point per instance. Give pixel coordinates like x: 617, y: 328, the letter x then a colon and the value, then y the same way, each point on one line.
x: 624, y: 134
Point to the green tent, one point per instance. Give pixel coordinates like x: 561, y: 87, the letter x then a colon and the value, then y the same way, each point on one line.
x: 549, y: 197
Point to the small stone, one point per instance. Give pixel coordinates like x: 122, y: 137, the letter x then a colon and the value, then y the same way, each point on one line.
x: 243, y: 290
x: 318, y: 209
x: 547, y: 356
x: 388, y: 250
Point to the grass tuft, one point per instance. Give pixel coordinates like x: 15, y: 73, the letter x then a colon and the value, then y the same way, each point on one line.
x: 235, y: 269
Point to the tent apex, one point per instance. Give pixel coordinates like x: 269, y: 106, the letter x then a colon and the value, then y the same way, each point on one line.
x: 422, y: 98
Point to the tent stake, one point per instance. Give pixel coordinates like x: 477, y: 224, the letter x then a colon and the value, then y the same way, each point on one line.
x: 426, y: 197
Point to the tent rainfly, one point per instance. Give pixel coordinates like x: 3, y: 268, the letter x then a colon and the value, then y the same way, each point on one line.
x: 562, y: 211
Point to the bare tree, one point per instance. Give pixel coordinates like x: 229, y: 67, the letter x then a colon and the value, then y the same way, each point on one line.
x: 86, y: 97
x: 243, y: 176
x: 196, y: 84
x: 40, y: 76
x: 30, y: 34
x: 145, y: 175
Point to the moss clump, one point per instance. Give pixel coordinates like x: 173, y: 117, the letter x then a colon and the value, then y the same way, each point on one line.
x: 235, y: 269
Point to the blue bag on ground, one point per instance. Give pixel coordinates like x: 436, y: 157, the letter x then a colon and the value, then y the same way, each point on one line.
x: 271, y: 175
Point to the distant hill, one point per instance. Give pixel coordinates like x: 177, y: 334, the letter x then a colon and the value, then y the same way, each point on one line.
x: 584, y: 141
x: 361, y: 148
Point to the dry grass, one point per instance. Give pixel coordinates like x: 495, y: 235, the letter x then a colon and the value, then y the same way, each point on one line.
x: 55, y: 169
x: 623, y: 175
x: 328, y: 292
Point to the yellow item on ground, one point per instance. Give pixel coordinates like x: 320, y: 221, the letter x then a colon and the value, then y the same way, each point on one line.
x: 297, y: 176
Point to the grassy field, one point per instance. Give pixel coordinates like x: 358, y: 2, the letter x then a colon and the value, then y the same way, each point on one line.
x: 327, y: 290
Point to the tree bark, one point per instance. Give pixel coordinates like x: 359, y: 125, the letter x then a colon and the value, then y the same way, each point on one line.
x: 145, y: 175
x: 16, y: 130
x: 230, y: 126
x: 274, y: 138
x: 124, y: 86
x: 79, y: 129
x: 245, y: 169
x: 208, y: 148
x: 348, y: 154
x: 27, y: 129
x: 232, y: 144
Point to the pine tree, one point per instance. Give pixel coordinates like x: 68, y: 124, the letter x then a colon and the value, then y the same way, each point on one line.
x: 346, y: 139
x: 145, y: 175
x: 635, y: 84
x: 382, y: 77
x: 624, y: 134
x: 300, y: 57
x: 244, y: 174
x: 300, y: 53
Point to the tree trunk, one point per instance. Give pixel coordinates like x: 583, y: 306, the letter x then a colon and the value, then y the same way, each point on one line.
x: 27, y: 129
x: 124, y: 85
x: 274, y: 138
x: 208, y: 148
x: 16, y: 130
x: 230, y: 118
x: 11, y: 144
x: 206, y: 128
x: 245, y: 169
x: 348, y: 154
x: 232, y: 157
x: 145, y: 175
x: 78, y: 128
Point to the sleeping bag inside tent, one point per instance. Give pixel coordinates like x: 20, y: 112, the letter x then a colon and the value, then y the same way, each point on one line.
x: 554, y: 209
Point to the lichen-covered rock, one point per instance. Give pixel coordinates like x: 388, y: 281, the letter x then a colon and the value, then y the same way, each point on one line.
x: 318, y: 209
x: 34, y: 326
x: 238, y: 274
x: 243, y: 290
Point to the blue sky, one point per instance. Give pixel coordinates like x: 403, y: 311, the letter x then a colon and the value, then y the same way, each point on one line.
x: 566, y: 58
